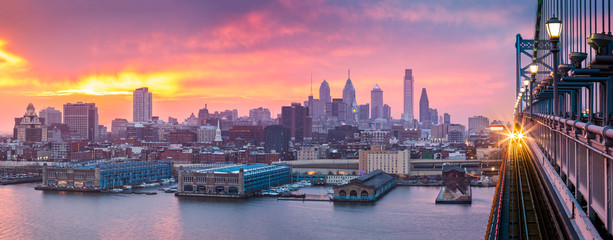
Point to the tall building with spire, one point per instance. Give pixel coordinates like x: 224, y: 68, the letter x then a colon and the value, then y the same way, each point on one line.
x: 407, y: 114
x: 348, y: 90
x: 218, y: 138
x: 142, y: 105
x: 424, y: 107
x: 376, y: 102
x: 349, y: 100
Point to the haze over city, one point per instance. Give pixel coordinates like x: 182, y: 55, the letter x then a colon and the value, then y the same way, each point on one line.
x: 317, y: 119
x: 243, y: 55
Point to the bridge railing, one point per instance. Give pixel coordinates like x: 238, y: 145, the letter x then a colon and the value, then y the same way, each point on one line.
x: 582, y: 155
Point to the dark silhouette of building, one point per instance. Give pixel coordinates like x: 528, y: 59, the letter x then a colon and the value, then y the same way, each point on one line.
x: 277, y: 139
x: 336, y: 110
x: 296, y: 119
x: 251, y: 134
x: 182, y: 136
x: 363, y: 112
x: 446, y: 118
x: 342, y: 133
x: 147, y: 133
x: 424, y: 108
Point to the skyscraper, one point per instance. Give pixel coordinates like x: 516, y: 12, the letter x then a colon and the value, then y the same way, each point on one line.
x: 336, y: 110
x: 478, y: 124
x: 424, y: 107
x: 51, y: 116
x: 349, y: 100
x: 446, y: 118
x: 434, y: 118
x: 296, y: 119
x: 324, y: 92
x: 142, y: 105
x: 363, y: 112
x: 376, y: 102
x: 407, y: 114
x: 203, y: 115
x: 387, y: 112
x: 348, y: 91
x: 82, y: 119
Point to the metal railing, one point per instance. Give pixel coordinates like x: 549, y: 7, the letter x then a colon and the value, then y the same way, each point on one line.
x: 582, y: 156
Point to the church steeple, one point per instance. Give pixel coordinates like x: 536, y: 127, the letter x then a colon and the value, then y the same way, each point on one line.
x: 218, y: 133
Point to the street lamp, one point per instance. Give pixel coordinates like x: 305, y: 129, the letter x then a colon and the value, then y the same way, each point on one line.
x: 554, y: 28
x: 534, y: 68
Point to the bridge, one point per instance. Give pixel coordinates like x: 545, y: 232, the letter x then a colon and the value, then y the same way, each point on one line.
x: 556, y: 179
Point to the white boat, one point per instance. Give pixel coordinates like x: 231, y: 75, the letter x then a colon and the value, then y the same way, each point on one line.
x: 116, y: 190
x: 305, y: 183
x: 269, y: 193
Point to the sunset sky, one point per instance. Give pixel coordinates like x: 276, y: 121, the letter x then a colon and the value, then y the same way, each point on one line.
x: 247, y: 54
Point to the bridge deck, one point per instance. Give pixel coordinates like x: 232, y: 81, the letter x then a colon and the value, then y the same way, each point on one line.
x: 523, y: 207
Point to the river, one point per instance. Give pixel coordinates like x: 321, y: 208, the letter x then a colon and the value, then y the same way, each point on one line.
x: 404, y: 213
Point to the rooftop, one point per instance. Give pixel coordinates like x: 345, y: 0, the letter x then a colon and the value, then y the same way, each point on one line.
x: 375, y: 178
x: 248, y: 169
x: 104, y: 164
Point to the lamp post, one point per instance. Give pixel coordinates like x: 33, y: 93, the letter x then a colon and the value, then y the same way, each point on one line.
x: 554, y: 28
x: 520, y: 99
x: 534, y: 68
x: 527, y: 93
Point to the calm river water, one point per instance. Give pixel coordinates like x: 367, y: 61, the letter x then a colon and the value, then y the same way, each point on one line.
x: 404, y: 213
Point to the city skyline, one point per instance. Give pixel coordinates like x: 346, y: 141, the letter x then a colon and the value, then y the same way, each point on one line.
x: 174, y: 58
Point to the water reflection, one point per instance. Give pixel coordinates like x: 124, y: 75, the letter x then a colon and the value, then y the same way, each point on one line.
x: 405, y: 212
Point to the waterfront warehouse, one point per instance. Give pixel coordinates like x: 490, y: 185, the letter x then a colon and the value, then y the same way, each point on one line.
x: 97, y: 175
x: 366, y: 188
x: 237, y: 181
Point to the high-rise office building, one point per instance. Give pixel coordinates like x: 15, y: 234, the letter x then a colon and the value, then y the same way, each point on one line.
x: 363, y: 112
x: 277, y: 139
x: 376, y: 102
x: 259, y: 115
x: 296, y: 119
x: 142, y: 105
x: 407, y: 114
x: 51, y: 116
x: 387, y: 112
x: 324, y: 92
x: 424, y: 107
x: 434, y: 114
x: 203, y: 115
x: 119, y: 127
x: 349, y: 100
x: 478, y: 124
x: 336, y: 110
x: 82, y: 120
x: 446, y: 118
x: 348, y: 91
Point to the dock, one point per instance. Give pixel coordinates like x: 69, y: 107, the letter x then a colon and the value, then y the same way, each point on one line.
x: 446, y: 196
x: 306, y: 197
